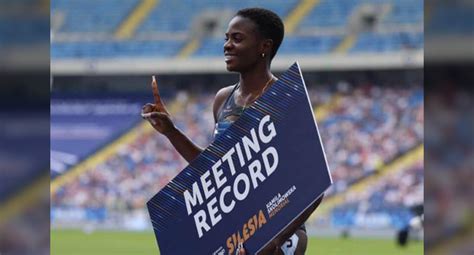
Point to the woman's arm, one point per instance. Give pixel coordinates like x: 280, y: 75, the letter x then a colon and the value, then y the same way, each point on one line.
x: 160, y: 119
x: 187, y: 148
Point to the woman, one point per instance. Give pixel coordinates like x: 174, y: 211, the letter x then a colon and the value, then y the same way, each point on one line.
x: 251, y: 41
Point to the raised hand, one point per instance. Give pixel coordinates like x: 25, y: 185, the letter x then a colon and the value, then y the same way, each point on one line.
x: 156, y: 113
x: 159, y: 106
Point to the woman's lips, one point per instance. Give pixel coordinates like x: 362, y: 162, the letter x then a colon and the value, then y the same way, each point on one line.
x: 228, y: 58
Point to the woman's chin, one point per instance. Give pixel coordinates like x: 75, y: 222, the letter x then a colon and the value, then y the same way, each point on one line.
x: 230, y: 68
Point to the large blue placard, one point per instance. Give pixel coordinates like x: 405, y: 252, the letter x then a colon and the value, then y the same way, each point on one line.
x: 251, y: 182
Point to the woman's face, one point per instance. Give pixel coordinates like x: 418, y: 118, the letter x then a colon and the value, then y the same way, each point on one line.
x: 242, y: 47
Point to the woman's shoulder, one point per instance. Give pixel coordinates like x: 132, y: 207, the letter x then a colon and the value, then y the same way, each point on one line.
x: 221, y: 96
x: 225, y: 91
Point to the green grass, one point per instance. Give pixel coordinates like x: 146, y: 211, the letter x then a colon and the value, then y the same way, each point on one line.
x: 359, y: 246
x: 69, y: 242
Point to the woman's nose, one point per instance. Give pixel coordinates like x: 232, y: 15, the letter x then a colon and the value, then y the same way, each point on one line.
x: 227, y: 45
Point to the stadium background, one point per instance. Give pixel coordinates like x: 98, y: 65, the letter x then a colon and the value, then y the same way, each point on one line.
x: 362, y: 62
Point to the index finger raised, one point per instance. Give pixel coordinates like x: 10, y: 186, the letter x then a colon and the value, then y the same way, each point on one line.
x: 156, y: 94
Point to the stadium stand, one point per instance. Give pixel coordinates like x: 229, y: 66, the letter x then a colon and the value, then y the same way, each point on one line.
x: 386, y: 203
x: 405, y: 12
x: 82, y: 126
x: 449, y: 181
x: 329, y: 14
x: 311, y: 44
x: 368, y: 126
x: 164, y: 19
x: 376, y: 124
x: 85, y: 29
x: 378, y: 42
x: 114, y: 49
x: 337, y: 13
x: 92, y: 16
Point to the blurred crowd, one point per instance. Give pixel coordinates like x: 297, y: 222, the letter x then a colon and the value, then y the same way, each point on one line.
x: 366, y: 126
x: 450, y: 161
x: 390, y: 198
x: 141, y: 168
x: 369, y: 127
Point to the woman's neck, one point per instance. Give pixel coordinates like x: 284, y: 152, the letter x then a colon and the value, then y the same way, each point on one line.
x: 253, y: 82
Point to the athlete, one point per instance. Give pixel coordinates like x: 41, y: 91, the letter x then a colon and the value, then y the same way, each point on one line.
x: 251, y: 41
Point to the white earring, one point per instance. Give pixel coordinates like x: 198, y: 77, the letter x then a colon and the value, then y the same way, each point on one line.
x: 263, y: 55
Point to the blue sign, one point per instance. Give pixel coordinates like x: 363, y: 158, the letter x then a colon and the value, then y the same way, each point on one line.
x: 251, y: 182
x: 81, y: 127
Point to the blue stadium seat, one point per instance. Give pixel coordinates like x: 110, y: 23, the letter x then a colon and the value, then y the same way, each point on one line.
x: 376, y: 42
x: 176, y: 18
x: 163, y: 19
x: 110, y: 49
x: 309, y: 44
x: 93, y: 16
x: 329, y: 14
x: 405, y: 12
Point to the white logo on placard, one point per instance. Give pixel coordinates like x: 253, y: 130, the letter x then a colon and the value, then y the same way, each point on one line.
x: 279, y: 201
x: 219, y: 251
